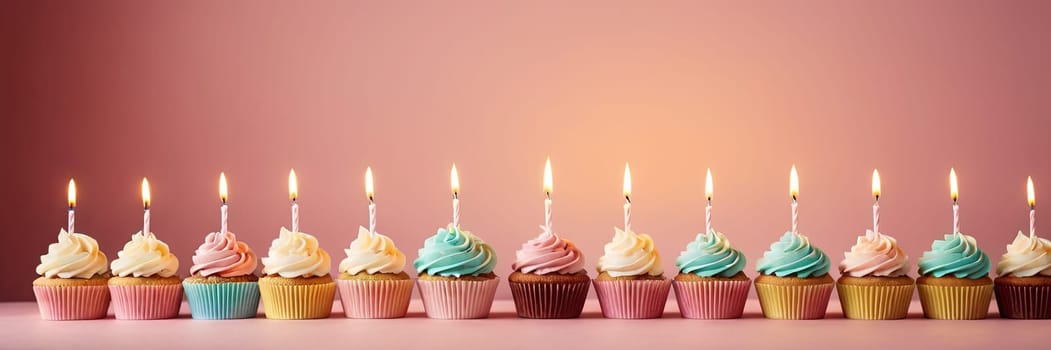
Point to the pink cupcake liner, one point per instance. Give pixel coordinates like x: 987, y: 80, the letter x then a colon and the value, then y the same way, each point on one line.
x: 146, y: 302
x: 457, y: 300
x: 64, y: 303
x: 375, y: 299
x: 1024, y: 302
x: 632, y: 299
x: 710, y: 300
x: 550, y: 300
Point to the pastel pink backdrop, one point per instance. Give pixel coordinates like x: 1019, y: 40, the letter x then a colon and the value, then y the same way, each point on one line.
x: 111, y: 91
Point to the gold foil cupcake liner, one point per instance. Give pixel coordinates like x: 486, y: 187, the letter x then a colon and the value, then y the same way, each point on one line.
x: 955, y: 302
x: 794, y: 302
x: 297, y: 302
x: 875, y: 302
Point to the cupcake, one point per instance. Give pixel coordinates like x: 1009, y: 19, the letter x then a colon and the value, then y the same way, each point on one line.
x: 549, y: 280
x: 296, y: 284
x: 793, y: 282
x: 873, y: 284
x: 372, y: 282
x: 631, y: 283
x: 711, y: 283
x: 222, y: 284
x: 73, y: 277
x: 1023, y: 285
x: 456, y: 277
x: 144, y: 285
x: 954, y: 279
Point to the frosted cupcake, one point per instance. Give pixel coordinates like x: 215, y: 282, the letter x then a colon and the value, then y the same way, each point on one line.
x: 954, y: 282
x: 794, y: 283
x: 296, y: 284
x: 456, y: 277
x: 549, y: 280
x: 73, y: 277
x: 372, y: 282
x: 222, y: 283
x: 631, y: 283
x: 144, y: 285
x: 873, y: 284
x: 711, y: 283
x: 1023, y: 285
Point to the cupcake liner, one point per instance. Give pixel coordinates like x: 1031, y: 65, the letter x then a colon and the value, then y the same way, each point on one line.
x: 1024, y: 302
x: 375, y: 298
x: 146, y: 302
x: 710, y: 300
x: 457, y: 300
x: 64, y: 303
x: 955, y: 302
x: 297, y: 302
x: 550, y: 300
x: 875, y: 302
x: 636, y: 299
x: 794, y: 302
x: 222, y: 301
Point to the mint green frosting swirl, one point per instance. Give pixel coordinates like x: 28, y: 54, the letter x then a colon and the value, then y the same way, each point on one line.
x: 793, y: 256
x: 710, y: 255
x: 455, y: 252
x: 957, y: 255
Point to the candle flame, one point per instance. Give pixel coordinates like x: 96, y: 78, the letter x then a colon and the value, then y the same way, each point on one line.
x: 627, y: 182
x: 454, y: 179
x: 293, y: 185
x: 708, y: 184
x: 954, y: 187
x: 145, y: 193
x: 793, y: 183
x: 547, y: 177
x: 71, y: 194
x: 875, y: 183
x: 222, y: 187
x: 370, y: 187
x: 1030, y: 192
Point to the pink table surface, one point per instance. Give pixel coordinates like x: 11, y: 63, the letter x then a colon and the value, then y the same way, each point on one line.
x: 21, y: 328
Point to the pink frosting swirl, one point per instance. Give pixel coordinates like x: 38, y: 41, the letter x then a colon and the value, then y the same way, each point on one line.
x: 548, y: 253
x: 875, y: 255
x: 221, y: 254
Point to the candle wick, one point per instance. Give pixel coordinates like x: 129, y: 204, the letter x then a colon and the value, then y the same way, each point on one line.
x: 627, y: 199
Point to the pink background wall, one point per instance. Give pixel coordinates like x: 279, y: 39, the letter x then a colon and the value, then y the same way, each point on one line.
x: 108, y: 92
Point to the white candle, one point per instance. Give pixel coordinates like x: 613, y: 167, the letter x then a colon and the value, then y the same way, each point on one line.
x: 954, y: 192
x: 547, y: 196
x: 370, y: 193
x: 708, y: 207
x: 455, y: 181
x: 1031, y: 194
x: 293, y: 194
x: 875, y: 205
x: 222, y: 208
x: 145, y: 207
x: 627, y: 198
x: 71, y: 196
x: 793, y: 190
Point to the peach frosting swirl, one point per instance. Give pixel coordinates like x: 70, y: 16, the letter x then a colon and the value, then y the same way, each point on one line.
x: 222, y: 255
x: 875, y: 254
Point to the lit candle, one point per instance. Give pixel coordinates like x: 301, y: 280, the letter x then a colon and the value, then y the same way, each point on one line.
x: 875, y: 205
x: 71, y: 195
x: 547, y: 196
x: 1031, y: 194
x: 145, y: 207
x: 293, y: 194
x: 627, y: 198
x: 455, y: 180
x: 371, y: 193
x: 954, y: 192
x: 708, y: 208
x: 222, y: 208
x: 793, y: 190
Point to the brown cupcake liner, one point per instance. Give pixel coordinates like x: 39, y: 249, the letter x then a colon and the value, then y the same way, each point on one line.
x: 1023, y: 302
x: 550, y: 300
x: 875, y: 302
x: 955, y: 302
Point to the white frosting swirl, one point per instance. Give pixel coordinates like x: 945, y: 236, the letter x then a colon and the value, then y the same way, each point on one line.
x: 372, y: 253
x: 1026, y: 257
x: 74, y: 256
x: 296, y: 254
x: 145, y: 256
x: 630, y: 254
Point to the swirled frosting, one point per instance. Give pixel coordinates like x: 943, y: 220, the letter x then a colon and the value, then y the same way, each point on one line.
x: 793, y: 256
x: 74, y: 256
x: 548, y: 253
x: 630, y: 254
x: 875, y: 254
x: 222, y: 255
x: 455, y: 252
x: 1026, y: 257
x: 296, y: 254
x: 957, y: 255
x: 710, y: 255
x: 145, y: 256
x: 372, y: 253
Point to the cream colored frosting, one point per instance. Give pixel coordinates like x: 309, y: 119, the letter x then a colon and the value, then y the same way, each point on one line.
x: 296, y: 254
x: 1026, y: 257
x: 372, y: 253
x: 74, y: 256
x: 875, y: 254
x: 630, y: 254
x: 145, y: 256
